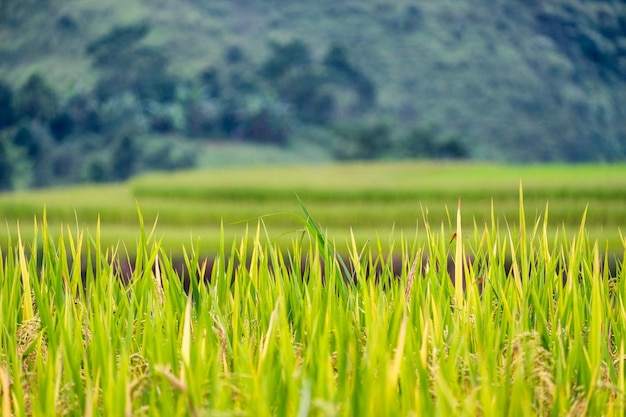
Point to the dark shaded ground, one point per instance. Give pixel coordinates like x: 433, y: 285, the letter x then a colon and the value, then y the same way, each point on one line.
x: 395, y: 268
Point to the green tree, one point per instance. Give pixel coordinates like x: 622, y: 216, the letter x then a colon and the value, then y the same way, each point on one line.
x: 84, y: 111
x: 342, y: 71
x: 61, y: 126
x: 451, y: 147
x: 35, y: 99
x: 6, y: 168
x: 97, y: 168
x: 35, y: 142
x: 127, y: 65
x: 26, y: 139
x: 167, y: 155
x: 125, y: 156
x: 285, y: 57
x: 425, y: 141
x: 419, y: 142
x: 7, y: 113
x: 364, y: 141
x: 267, y: 125
x: 211, y: 86
x: 336, y: 60
x: 201, y: 119
x: 119, y: 39
x: 306, y: 91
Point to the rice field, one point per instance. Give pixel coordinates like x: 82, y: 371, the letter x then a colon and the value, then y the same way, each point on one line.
x: 382, y: 201
x: 266, y: 336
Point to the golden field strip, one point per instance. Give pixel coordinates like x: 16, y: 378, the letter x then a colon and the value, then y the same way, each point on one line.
x: 380, y: 201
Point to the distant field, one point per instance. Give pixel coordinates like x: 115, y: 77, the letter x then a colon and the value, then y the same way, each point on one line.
x: 377, y: 201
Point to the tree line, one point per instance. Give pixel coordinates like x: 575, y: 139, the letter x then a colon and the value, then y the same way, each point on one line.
x: 141, y: 116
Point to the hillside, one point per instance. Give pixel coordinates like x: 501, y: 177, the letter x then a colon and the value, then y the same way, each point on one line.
x: 502, y: 80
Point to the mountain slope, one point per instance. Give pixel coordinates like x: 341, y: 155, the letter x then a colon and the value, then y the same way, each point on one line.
x: 516, y: 80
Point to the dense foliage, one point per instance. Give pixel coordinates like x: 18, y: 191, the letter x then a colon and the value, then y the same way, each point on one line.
x: 269, y: 335
x: 514, y: 81
x: 136, y: 95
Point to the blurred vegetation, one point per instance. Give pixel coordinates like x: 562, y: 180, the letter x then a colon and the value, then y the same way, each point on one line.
x: 93, y: 92
x: 373, y: 200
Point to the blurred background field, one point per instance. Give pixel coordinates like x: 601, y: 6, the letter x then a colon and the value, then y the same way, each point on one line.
x: 385, y: 201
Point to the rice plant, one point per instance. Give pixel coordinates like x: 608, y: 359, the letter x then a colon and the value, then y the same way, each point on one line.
x: 526, y: 322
